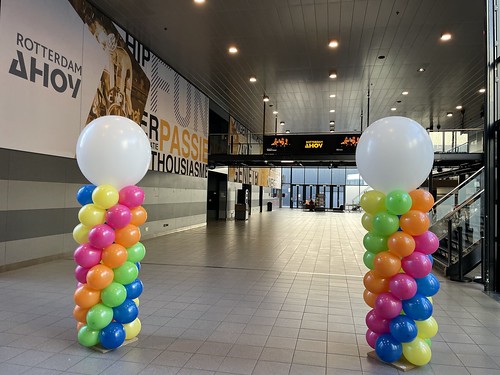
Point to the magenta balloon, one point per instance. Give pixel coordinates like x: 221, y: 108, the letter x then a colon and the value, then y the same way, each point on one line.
x: 81, y: 274
x: 376, y: 323
x: 403, y: 286
x: 87, y: 256
x: 131, y: 196
x: 426, y: 243
x: 387, y: 306
x: 417, y: 265
x: 118, y: 216
x: 371, y: 337
x: 101, y: 236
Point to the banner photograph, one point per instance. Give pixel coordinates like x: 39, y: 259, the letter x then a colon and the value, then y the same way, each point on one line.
x: 63, y: 66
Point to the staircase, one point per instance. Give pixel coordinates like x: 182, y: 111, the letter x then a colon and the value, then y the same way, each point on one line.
x: 458, y: 221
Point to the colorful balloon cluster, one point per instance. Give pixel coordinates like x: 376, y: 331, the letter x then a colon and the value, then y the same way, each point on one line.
x: 399, y: 285
x: 108, y: 261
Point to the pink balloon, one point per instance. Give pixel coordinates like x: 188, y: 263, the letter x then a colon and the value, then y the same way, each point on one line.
x: 426, y: 243
x: 403, y: 286
x: 81, y: 274
x: 87, y: 256
x: 371, y: 337
x: 131, y: 196
x: 376, y: 323
x: 387, y: 306
x: 417, y: 265
x: 101, y: 236
x: 118, y: 216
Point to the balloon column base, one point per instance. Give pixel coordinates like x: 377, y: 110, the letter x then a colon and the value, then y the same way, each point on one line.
x: 101, y: 349
x: 402, y: 364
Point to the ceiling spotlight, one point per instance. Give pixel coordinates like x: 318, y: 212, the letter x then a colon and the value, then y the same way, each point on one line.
x: 445, y: 37
x: 449, y: 114
x: 332, y: 111
x: 421, y: 70
x: 393, y: 108
x: 253, y: 79
x: 199, y: 1
x: 404, y: 93
x: 332, y: 130
x: 282, y: 123
x: 265, y: 98
x: 332, y: 95
x: 482, y: 91
x: 333, y: 44
x: 275, y: 112
x: 287, y: 131
x: 332, y: 122
x: 458, y: 107
x: 233, y: 50
x: 333, y: 74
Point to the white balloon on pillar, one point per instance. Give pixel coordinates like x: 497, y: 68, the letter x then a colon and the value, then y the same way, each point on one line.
x: 394, y: 153
x: 113, y: 150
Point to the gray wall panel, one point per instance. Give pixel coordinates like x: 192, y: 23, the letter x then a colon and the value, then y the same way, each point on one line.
x: 3, y: 226
x: 36, y: 167
x: 4, y: 163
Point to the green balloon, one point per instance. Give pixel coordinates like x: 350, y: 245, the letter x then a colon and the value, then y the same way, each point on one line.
x: 398, y: 202
x: 385, y: 223
x: 136, y: 252
x: 113, y: 295
x: 126, y: 273
x: 375, y: 243
x: 88, y: 337
x: 99, y: 316
x: 429, y: 342
x: 368, y: 259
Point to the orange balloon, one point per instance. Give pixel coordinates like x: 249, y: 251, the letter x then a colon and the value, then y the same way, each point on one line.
x: 99, y: 277
x: 375, y: 283
x: 139, y: 216
x: 79, y: 325
x: 127, y: 236
x: 114, y: 255
x: 86, y: 297
x: 401, y: 244
x: 369, y: 298
x: 414, y: 222
x: 80, y: 314
x: 386, y: 264
x: 421, y: 200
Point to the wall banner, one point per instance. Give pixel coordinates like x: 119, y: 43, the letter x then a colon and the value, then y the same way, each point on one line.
x: 63, y: 64
x: 311, y: 144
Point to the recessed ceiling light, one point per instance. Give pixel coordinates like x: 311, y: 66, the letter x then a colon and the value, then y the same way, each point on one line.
x: 282, y: 123
x: 332, y: 95
x: 265, y: 98
x: 332, y: 122
x: 458, y: 107
x: 332, y: 110
x: 253, y: 79
x: 233, y: 50
x: 449, y: 114
x: 482, y: 91
x: 275, y: 112
x: 333, y: 74
x: 421, y: 70
x: 404, y: 93
x: 333, y: 44
x: 286, y: 131
x: 393, y: 108
x: 199, y: 1
x: 332, y: 130
x: 445, y: 37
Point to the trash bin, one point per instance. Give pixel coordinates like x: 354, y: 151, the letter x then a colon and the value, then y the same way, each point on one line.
x: 269, y: 206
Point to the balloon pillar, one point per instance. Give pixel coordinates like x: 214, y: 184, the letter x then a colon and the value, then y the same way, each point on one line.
x: 394, y: 156
x: 113, y: 153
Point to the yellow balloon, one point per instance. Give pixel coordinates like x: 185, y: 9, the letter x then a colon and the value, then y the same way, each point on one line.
x: 417, y: 352
x: 91, y: 215
x: 427, y: 328
x: 81, y: 233
x: 136, y: 300
x: 105, y: 196
x: 430, y: 300
x: 372, y: 201
x: 367, y: 221
x: 132, y: 329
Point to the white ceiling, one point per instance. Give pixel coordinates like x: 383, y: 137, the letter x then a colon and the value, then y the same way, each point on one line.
x: 284, y: 43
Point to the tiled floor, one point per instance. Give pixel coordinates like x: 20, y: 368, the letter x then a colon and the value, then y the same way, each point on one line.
x: 280, y: 293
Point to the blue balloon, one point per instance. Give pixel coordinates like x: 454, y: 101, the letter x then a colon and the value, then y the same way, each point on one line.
x: 418, y: 307
x: 84, y: 194
x: 430, y: 258
x: 134, y: 289
x: 112, y: 336
x: 403, y: 328
x: 127, y: 312
x: 428, y: 285
x: 138, y: 265
x: 388, y: 348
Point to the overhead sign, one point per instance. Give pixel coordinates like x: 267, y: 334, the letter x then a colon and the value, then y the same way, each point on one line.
x: 311, y: 144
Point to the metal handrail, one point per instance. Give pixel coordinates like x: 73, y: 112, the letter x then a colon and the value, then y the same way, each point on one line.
x: 466, y: 202
x: 451, y: 192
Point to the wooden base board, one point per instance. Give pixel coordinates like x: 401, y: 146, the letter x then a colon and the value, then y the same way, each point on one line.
x: 402, y: 364
x: 100, y: 349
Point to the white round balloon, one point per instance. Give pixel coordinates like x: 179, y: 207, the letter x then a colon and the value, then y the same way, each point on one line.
x: 394, y: 153
x: 113, y: 150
